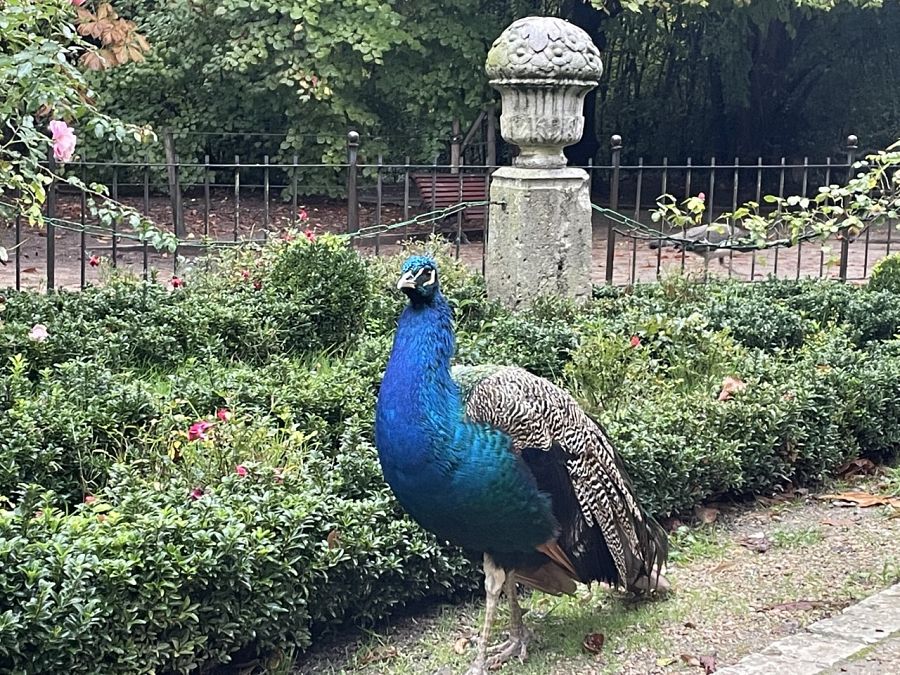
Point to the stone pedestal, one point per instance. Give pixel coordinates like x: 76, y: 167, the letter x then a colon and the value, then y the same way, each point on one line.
x: 540, y: 237
x: 539, y: 240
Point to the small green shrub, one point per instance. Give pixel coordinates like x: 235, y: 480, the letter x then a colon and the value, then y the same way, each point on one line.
x: 152, y: 578
x: 886, y: 274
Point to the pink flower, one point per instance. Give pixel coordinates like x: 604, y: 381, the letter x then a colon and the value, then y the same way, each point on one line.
x: 303, y: 215
x: 196, y: 493
x: 288, y: 237
x: 702, y: 196
x: 241, y: 470
x: 245, y: 274
x: 38, y: 333
x: 257, y: 284
x: 635, y: 341
x: 90, y: 499
x: 78, y: 3
x: 64, y: 140
x: 177, y: 282
x: 197, y: 430
x: 310, y: 235
x: 224, y: 414
x: 94, y: 261
x: 314, y: 80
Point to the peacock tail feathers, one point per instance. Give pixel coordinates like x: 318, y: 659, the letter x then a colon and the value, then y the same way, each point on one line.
x: 573, y: 459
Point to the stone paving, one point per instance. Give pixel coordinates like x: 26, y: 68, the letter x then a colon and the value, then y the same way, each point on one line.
x: 863, y: 639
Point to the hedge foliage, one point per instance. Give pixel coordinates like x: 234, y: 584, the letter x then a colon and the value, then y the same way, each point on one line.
x: 188, y: 474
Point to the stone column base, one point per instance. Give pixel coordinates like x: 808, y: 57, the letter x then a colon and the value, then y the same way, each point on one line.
x: 539, y: 242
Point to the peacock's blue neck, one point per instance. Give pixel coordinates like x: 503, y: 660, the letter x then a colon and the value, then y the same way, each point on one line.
x: 418, y: 403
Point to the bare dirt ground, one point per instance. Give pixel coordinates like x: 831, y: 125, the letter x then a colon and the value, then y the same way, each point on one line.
x: 634, y: 259
x: 759, y: 572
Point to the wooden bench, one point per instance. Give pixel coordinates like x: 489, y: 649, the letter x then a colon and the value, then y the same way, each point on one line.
x: 440, y: 190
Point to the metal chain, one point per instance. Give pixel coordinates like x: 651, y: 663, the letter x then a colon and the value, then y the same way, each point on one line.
x: 648, y: 233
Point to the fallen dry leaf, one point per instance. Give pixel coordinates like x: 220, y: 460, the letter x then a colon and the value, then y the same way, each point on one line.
x: 593, y: 643
x: 690, y: 660
x: 461, y: 645
x: 863, y: 500
x: 796, y: 606
x: 857, y: 467
x: 756, y: 542
x: 665, y: 661
x: 730, y: 386
x: 709, y: 663
x: 29, y: 270
x: 706, y: 514
x: 333, y: 539
x: 385, y: 653
x: 724, y: 565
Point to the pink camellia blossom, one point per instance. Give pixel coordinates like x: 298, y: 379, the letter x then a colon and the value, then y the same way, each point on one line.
x: 38, y: 333
x: 310, y: 236
x: 303, y: 215
x: 241, y: 470
x: 64, y: 140
x: 702, y: 196
x: 196, y: 493
x: 224, y: 414
x: 197, y: 430
x: 177, y: 282
x: 94, y: 261
x: 635, y: 341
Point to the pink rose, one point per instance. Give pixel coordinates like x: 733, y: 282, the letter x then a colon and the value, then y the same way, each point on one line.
x: 38, y: 333
x: 635, y: 341
x: 197, y: 431
x: 64, y: 140
x: 224, y: 414
x: 241, y: 470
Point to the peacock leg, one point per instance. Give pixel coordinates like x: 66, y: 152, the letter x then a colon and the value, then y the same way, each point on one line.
x: 493, y: 584
x: 519, y: 635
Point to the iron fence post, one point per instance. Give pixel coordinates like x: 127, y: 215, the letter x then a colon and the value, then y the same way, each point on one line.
x: 616, y: 144
x: 352, y: 197
x: 852, y: 145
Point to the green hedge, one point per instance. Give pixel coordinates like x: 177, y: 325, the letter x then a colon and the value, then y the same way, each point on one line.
x: 178, y: 561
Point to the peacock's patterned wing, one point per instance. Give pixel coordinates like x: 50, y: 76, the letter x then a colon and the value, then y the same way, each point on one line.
x: 574, y: 460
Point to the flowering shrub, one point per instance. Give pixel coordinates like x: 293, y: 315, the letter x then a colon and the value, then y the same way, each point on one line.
x: 47, y: 103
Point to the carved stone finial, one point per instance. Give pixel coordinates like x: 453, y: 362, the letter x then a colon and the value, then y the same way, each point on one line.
x: 543, y: 67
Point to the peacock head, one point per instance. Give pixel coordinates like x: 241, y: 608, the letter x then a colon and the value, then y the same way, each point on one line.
x: 419, y: 279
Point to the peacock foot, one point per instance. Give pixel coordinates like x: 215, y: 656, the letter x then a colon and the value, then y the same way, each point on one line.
x: 515, y: 647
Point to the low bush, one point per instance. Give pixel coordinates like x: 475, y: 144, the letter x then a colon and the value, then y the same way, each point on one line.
x: 157, y: 577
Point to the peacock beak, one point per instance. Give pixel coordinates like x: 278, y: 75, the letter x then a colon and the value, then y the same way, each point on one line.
x: 408, y: 280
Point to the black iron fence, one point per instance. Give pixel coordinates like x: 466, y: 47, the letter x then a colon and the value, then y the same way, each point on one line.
x: 380, y: 203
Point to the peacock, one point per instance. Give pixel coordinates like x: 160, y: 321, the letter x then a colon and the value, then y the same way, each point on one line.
x: 505, y: 464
